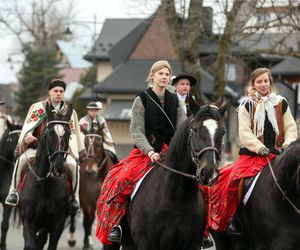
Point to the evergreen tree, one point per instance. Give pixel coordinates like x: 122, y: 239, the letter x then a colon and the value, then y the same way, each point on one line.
x: 38, y: 69
x: 87, y: 80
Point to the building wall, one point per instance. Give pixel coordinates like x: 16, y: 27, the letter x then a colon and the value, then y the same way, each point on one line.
x: 104, y: 68
x: 120, y: 132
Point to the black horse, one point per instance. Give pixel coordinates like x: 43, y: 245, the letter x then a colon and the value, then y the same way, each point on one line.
x: 45, y: 197
x: 8, y: 144
x: 93, y: 170
x: 168, y: 211
x: 271, y: 217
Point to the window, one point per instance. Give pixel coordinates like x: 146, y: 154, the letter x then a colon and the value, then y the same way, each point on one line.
x: 230, y: 72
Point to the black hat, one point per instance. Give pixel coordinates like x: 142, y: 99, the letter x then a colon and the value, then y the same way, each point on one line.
x: 94, y: 105
x: 57, y: 83
x: 192, y: 79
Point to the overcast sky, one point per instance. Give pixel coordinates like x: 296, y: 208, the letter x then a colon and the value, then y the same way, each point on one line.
x: 85, y: 10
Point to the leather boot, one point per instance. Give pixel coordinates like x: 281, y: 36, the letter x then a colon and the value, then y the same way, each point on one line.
x: 115, y: 234
x: 206, y: 242
x: 12, y: 199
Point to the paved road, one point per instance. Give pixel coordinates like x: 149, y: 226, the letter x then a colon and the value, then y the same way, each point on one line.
x: 15, y: 239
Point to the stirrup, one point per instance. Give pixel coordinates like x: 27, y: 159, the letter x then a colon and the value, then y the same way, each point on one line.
x: 235, y: 227
x: 115, y: 234
x: 12, y: 199
x: 207, y: 242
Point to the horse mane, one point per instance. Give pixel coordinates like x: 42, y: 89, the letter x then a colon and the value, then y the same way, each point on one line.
x: 286, y: 164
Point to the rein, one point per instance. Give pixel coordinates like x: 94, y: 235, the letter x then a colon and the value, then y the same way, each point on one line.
x: 196, y: 162
x: 50, y: 156
x: 280, y: 189
x: 92, y: 154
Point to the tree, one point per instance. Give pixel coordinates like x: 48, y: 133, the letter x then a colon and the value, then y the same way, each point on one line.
x: 34, y: 77
x: 37, y: 25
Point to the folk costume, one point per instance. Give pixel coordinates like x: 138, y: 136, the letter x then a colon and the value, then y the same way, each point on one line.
x: 263, y: 122
x: 89, y: 124
x: 188, y: 101
x: 35, y: 123
x: 153, y: 123
x: 3, y: 119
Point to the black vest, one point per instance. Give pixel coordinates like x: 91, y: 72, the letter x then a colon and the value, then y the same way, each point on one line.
x: 157, y: 127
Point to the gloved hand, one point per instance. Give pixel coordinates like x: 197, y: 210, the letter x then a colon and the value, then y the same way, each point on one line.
x: 264, y: 151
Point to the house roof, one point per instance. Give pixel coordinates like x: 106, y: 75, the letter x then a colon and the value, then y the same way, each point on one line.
x: 113, y: 31
x: 290, y: 66
x: 130, y: 77
x: 118, y: 110
x: 271, y: 42
x: 73, y: 55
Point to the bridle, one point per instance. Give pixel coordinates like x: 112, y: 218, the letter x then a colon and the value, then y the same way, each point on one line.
x: 9, y: 140
x: 91, y: 151
x: 59, y: 149
x: 196, y: 156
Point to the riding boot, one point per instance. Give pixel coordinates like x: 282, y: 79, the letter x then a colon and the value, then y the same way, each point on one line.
x: 235, y: 227
x: 206, y: 242
x: 115, y: 234
x: 12, y: 198
x: 72, y: 164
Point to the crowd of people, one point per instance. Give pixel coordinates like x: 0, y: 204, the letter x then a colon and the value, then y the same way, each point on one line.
x: 266, y: 128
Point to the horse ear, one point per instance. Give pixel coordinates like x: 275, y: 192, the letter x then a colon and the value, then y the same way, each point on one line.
x: 9, y: 125
x: 224, y: 107
x: 219, y: 101
x: 69, y: 112
x: 49, y: 113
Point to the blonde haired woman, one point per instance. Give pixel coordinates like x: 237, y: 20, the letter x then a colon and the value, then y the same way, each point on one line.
x: 155, y: 116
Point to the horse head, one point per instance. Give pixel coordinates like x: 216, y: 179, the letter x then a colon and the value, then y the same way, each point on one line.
x: 206, y: 131
x: 9, y: 142
x: 55, y: 139
x: 96, y: 156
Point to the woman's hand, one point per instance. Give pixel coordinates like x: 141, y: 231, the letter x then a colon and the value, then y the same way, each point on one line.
x: 154, y: 157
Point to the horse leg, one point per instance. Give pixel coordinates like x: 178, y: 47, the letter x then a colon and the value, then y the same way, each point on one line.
x: 5, y: 226
x: 222, y: 241
x: 72, y: 238
x: 88, y: 220
x: 55, y: 233
x: 29, y: 236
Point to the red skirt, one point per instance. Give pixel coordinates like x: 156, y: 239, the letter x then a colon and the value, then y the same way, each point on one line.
x: 116, y: 190
x: 223, y: 195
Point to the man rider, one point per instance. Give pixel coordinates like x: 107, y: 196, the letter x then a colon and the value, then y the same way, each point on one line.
x: 32, y: 130
x: 97, y: 123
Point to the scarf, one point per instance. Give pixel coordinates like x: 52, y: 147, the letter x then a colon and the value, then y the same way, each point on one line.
x: 264, y: 105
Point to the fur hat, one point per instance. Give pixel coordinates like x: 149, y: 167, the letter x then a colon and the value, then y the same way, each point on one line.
x: 57, y: 83
x: 192, y: 79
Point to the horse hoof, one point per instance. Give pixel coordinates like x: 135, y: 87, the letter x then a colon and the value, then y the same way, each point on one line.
x: 72, y: 243
x: 87, y: 247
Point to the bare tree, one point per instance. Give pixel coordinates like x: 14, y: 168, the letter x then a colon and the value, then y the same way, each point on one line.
x: 35, y: 21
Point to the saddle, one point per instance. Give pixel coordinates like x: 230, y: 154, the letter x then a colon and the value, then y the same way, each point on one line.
x: 244, y: 187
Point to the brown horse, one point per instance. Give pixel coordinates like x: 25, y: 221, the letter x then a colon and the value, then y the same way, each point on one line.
x: 93, y: 170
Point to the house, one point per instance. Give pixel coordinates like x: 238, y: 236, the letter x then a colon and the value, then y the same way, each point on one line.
x: 72, y: 66
x: 126, y: 48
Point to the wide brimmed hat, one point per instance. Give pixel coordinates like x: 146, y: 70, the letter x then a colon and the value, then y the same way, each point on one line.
x: 94, y: 105
x: 192, y: 79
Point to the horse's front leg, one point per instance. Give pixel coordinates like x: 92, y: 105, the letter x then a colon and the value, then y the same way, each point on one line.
x: 72, y: 229
x: 88, y: 220
x: 29, y: 236
x: 5, y: 226
x: 55, y: 233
